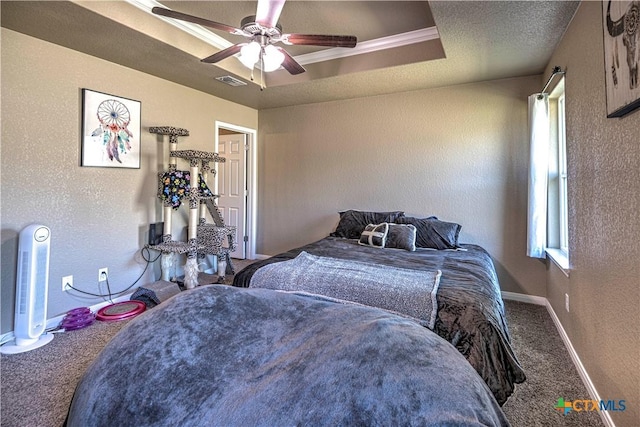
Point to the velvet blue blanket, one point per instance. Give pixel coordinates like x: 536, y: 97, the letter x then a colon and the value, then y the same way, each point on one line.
x: 224, y: 356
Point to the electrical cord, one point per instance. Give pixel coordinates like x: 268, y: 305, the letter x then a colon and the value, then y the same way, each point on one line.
x: 59, y: 329
x: 146, y: 257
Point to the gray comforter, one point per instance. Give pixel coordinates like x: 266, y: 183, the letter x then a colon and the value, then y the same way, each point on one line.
x: 224, y: 356
x: 470, y: 312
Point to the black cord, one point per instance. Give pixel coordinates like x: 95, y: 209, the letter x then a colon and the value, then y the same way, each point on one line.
x: 110, y: 295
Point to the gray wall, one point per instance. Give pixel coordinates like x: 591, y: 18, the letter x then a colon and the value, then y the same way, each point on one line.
x: 604, y: 221
x: 98, y: 216
x: 459, y: 153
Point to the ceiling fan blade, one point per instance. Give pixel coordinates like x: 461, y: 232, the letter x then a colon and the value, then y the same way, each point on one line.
x: 268, y: 12
x: 224, y: 53
x: 196, y: 20
x: 320, y: 40
x: 290, y: 64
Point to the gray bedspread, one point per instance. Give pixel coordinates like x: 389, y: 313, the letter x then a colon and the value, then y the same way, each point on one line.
x: 470, y: 311
x: 223, y: 356
x: 403, y: 291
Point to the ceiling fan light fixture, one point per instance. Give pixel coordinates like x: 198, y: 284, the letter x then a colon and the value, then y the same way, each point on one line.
x: 250, y: 54
x: 263, y: 31
x: 272, y: 58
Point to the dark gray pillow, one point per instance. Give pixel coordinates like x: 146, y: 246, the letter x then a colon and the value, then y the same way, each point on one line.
x: 374, y: 235
x: 401, y: 236
x: 433, y: 233
x: 352, y: 223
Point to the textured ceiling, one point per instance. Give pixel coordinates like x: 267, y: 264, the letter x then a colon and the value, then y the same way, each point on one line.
x: 479, y: 40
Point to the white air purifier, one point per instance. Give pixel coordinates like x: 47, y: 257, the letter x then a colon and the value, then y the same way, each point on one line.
x: 32, y: 284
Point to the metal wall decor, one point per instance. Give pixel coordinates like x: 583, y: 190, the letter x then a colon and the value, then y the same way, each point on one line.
x: 621, y: 34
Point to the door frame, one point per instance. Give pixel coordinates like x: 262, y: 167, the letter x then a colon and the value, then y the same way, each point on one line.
x: 251, y: 171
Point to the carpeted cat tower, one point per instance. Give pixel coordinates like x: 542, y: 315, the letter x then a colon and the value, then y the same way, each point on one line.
x: 203, y: 238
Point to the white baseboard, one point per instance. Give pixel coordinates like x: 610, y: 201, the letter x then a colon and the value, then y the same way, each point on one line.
x: 530, y: 299
x: 584, y: 376
x: 261, y: 256
x: 604, y: 415
x: 55, y: 321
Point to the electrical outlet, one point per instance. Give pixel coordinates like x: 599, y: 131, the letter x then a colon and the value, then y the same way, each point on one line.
x: 566, y: 301
x: 103, y: 274
x: 67, y: 283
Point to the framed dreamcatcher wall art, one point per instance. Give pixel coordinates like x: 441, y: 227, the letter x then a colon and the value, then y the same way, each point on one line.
x: 110, y: 131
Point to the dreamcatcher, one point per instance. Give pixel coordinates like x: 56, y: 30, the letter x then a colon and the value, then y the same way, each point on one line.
x: 114, y: 118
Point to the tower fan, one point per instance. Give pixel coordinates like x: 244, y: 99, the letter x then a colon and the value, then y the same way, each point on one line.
x: 32, y: 283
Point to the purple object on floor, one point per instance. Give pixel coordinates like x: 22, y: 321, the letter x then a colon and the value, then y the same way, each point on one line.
x: 77, y: 318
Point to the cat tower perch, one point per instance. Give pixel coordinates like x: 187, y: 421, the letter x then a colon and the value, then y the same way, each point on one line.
x: 202, y: 238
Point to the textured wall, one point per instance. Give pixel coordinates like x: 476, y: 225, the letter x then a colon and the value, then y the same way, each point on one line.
x: 604, y: 221
x: 458, y: 152
x: 98, y: 216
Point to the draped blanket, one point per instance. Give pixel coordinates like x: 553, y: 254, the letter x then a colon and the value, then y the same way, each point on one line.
x: 406, y: 292
x: 223, y: 356
x: 470, y: 311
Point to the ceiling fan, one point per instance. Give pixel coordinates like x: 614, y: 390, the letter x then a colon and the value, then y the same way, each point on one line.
x: 263, y: 32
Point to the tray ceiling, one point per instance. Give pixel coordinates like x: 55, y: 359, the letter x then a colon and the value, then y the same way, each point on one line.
x: 402, y: 45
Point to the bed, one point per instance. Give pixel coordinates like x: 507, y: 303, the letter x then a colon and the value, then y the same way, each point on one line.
x: 222, y: 355
x: 469, y: 310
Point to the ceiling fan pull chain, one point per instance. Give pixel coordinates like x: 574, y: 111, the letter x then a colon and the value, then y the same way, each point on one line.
x: 262, y: 86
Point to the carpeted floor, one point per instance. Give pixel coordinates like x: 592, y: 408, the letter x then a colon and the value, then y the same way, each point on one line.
x: 550, y: 372
x: 37, y: 386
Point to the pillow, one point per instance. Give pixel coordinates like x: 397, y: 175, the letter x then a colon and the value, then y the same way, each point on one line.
x: 352, y: 223
x: 401, y: 236
x: 433, y: 233
x: 374, y: 235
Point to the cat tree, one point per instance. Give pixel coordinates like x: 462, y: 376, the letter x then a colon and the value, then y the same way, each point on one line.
x: 202, y: 238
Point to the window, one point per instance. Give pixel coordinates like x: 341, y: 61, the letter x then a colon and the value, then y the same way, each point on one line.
x: 562, y: 179
x: 558, y: 209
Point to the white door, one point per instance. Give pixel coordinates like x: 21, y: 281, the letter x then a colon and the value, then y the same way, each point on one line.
x: 232, y: 187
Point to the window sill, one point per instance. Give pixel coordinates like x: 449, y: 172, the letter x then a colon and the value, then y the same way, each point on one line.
x: 560, y: 259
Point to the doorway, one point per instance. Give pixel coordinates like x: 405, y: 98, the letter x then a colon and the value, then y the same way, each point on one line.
x: 235, y: 183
